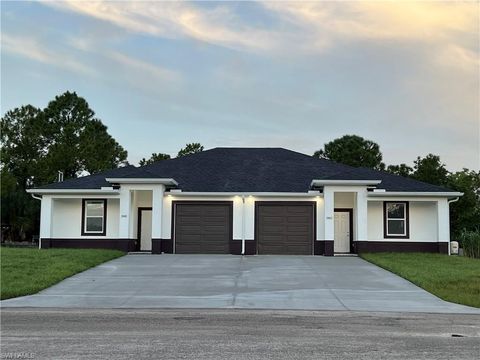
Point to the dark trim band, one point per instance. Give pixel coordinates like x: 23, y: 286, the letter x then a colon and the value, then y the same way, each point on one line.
x: 162, y: 246
x: 236, y: 247
x: 89, y: 243
x: 397, y: 246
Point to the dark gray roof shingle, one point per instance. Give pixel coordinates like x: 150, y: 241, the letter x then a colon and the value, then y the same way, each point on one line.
x: 249, y: 170
x: 94, y: 181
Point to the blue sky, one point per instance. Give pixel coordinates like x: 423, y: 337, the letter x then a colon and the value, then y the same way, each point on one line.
x: 293, y: 75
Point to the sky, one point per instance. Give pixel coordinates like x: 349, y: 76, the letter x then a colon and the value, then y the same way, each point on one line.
x: 256, y: 74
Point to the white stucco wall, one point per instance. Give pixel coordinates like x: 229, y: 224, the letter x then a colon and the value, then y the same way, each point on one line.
x: 423, y: 221
x: 66, y: 215
x: 67, y: 219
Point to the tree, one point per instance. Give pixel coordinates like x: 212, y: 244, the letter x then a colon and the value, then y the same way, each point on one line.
x: 402, y: 170
x: 353, y: 150
x: 465, y: 213
x: 23, y: 143
x: 191, y: 148
x: 19, y: 211
x: 153, y: 158
x: 36, y: 144
x: 431, y: 170
x: 78, y: 141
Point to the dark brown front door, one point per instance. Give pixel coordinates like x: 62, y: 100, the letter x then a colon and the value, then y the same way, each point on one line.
x: 285, y: 228
x: 202, y: 228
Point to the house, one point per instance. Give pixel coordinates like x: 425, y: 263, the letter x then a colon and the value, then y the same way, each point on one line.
x: 246, y: 201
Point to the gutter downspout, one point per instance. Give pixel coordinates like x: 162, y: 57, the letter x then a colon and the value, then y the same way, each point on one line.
x: 243, y: 224
x: 36, y: 197
x: 449, y: 202
x: 39, y: 238
x: 453, y: 200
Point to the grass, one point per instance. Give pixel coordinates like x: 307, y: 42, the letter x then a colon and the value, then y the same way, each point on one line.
x: 26, y: 271
x: 451, y: 278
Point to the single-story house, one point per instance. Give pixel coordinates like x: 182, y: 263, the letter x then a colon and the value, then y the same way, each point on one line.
x: 246, y: 201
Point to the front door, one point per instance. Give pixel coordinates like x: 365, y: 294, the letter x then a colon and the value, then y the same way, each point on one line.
x: 145, y: 227
x: 342, y: 233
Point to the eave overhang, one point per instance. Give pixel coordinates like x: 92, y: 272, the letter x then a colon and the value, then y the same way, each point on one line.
x: 415, y: 193
x: 320, y: 182
x: 164, y: 181
x: 73, y: 191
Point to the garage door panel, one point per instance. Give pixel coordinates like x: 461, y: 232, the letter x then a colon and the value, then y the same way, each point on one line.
x: 192, y: 238
x: 298, y: 228
x: 273, y: 238
x: 269, y: 229
x: 298, y: 239
x: 210, y: 231
x: 302, y: 219
x: 188, y: 221
x: 297, y: 210
x: 202, y: 228
x: 270, y: 220
x: 285, y: 228
x: 190, y: 228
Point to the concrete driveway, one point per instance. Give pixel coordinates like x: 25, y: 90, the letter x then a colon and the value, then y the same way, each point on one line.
x: 228, y: 281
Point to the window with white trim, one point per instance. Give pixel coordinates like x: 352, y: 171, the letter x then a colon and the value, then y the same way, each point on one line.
x: 94, y: 221
x: 396, y: 220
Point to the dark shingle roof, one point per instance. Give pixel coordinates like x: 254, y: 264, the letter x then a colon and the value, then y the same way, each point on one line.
x: 249, y: 170
x: 94, y: 181
x: 390, y: 182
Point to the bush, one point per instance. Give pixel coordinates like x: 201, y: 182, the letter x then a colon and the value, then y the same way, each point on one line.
x: 470, y: 242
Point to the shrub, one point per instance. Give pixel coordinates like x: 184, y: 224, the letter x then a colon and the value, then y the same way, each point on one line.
x: 470, y: 242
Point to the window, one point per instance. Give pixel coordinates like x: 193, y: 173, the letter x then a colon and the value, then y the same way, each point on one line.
x: 396, y: 220
x: 94, y: 217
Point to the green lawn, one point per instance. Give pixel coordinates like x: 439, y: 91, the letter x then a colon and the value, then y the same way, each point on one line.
x: 452, y: 278
x: 26, y: 271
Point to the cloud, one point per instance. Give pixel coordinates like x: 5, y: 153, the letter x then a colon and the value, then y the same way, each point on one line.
x: 446, y: 24
x: 30, y: 48
x: 137, y: 71
x: 218, y: 25
x: 143, y: 67
x: 299, y: 27
x: 37, y: 50
x: 380, y: 19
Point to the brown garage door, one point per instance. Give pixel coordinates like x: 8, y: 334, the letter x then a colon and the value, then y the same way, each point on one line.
x: 285, y: 228
x: 203, y: 228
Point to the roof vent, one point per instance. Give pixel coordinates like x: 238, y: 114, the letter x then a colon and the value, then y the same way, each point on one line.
x: 60, y: 176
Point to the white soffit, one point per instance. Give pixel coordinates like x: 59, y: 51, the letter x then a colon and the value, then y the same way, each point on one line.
x: 413, y: 193
x: 344, y: 182
x: 164, y: 181
x: 72, y: 191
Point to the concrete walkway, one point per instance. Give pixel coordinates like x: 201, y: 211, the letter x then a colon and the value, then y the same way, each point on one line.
x: 228, y: 281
